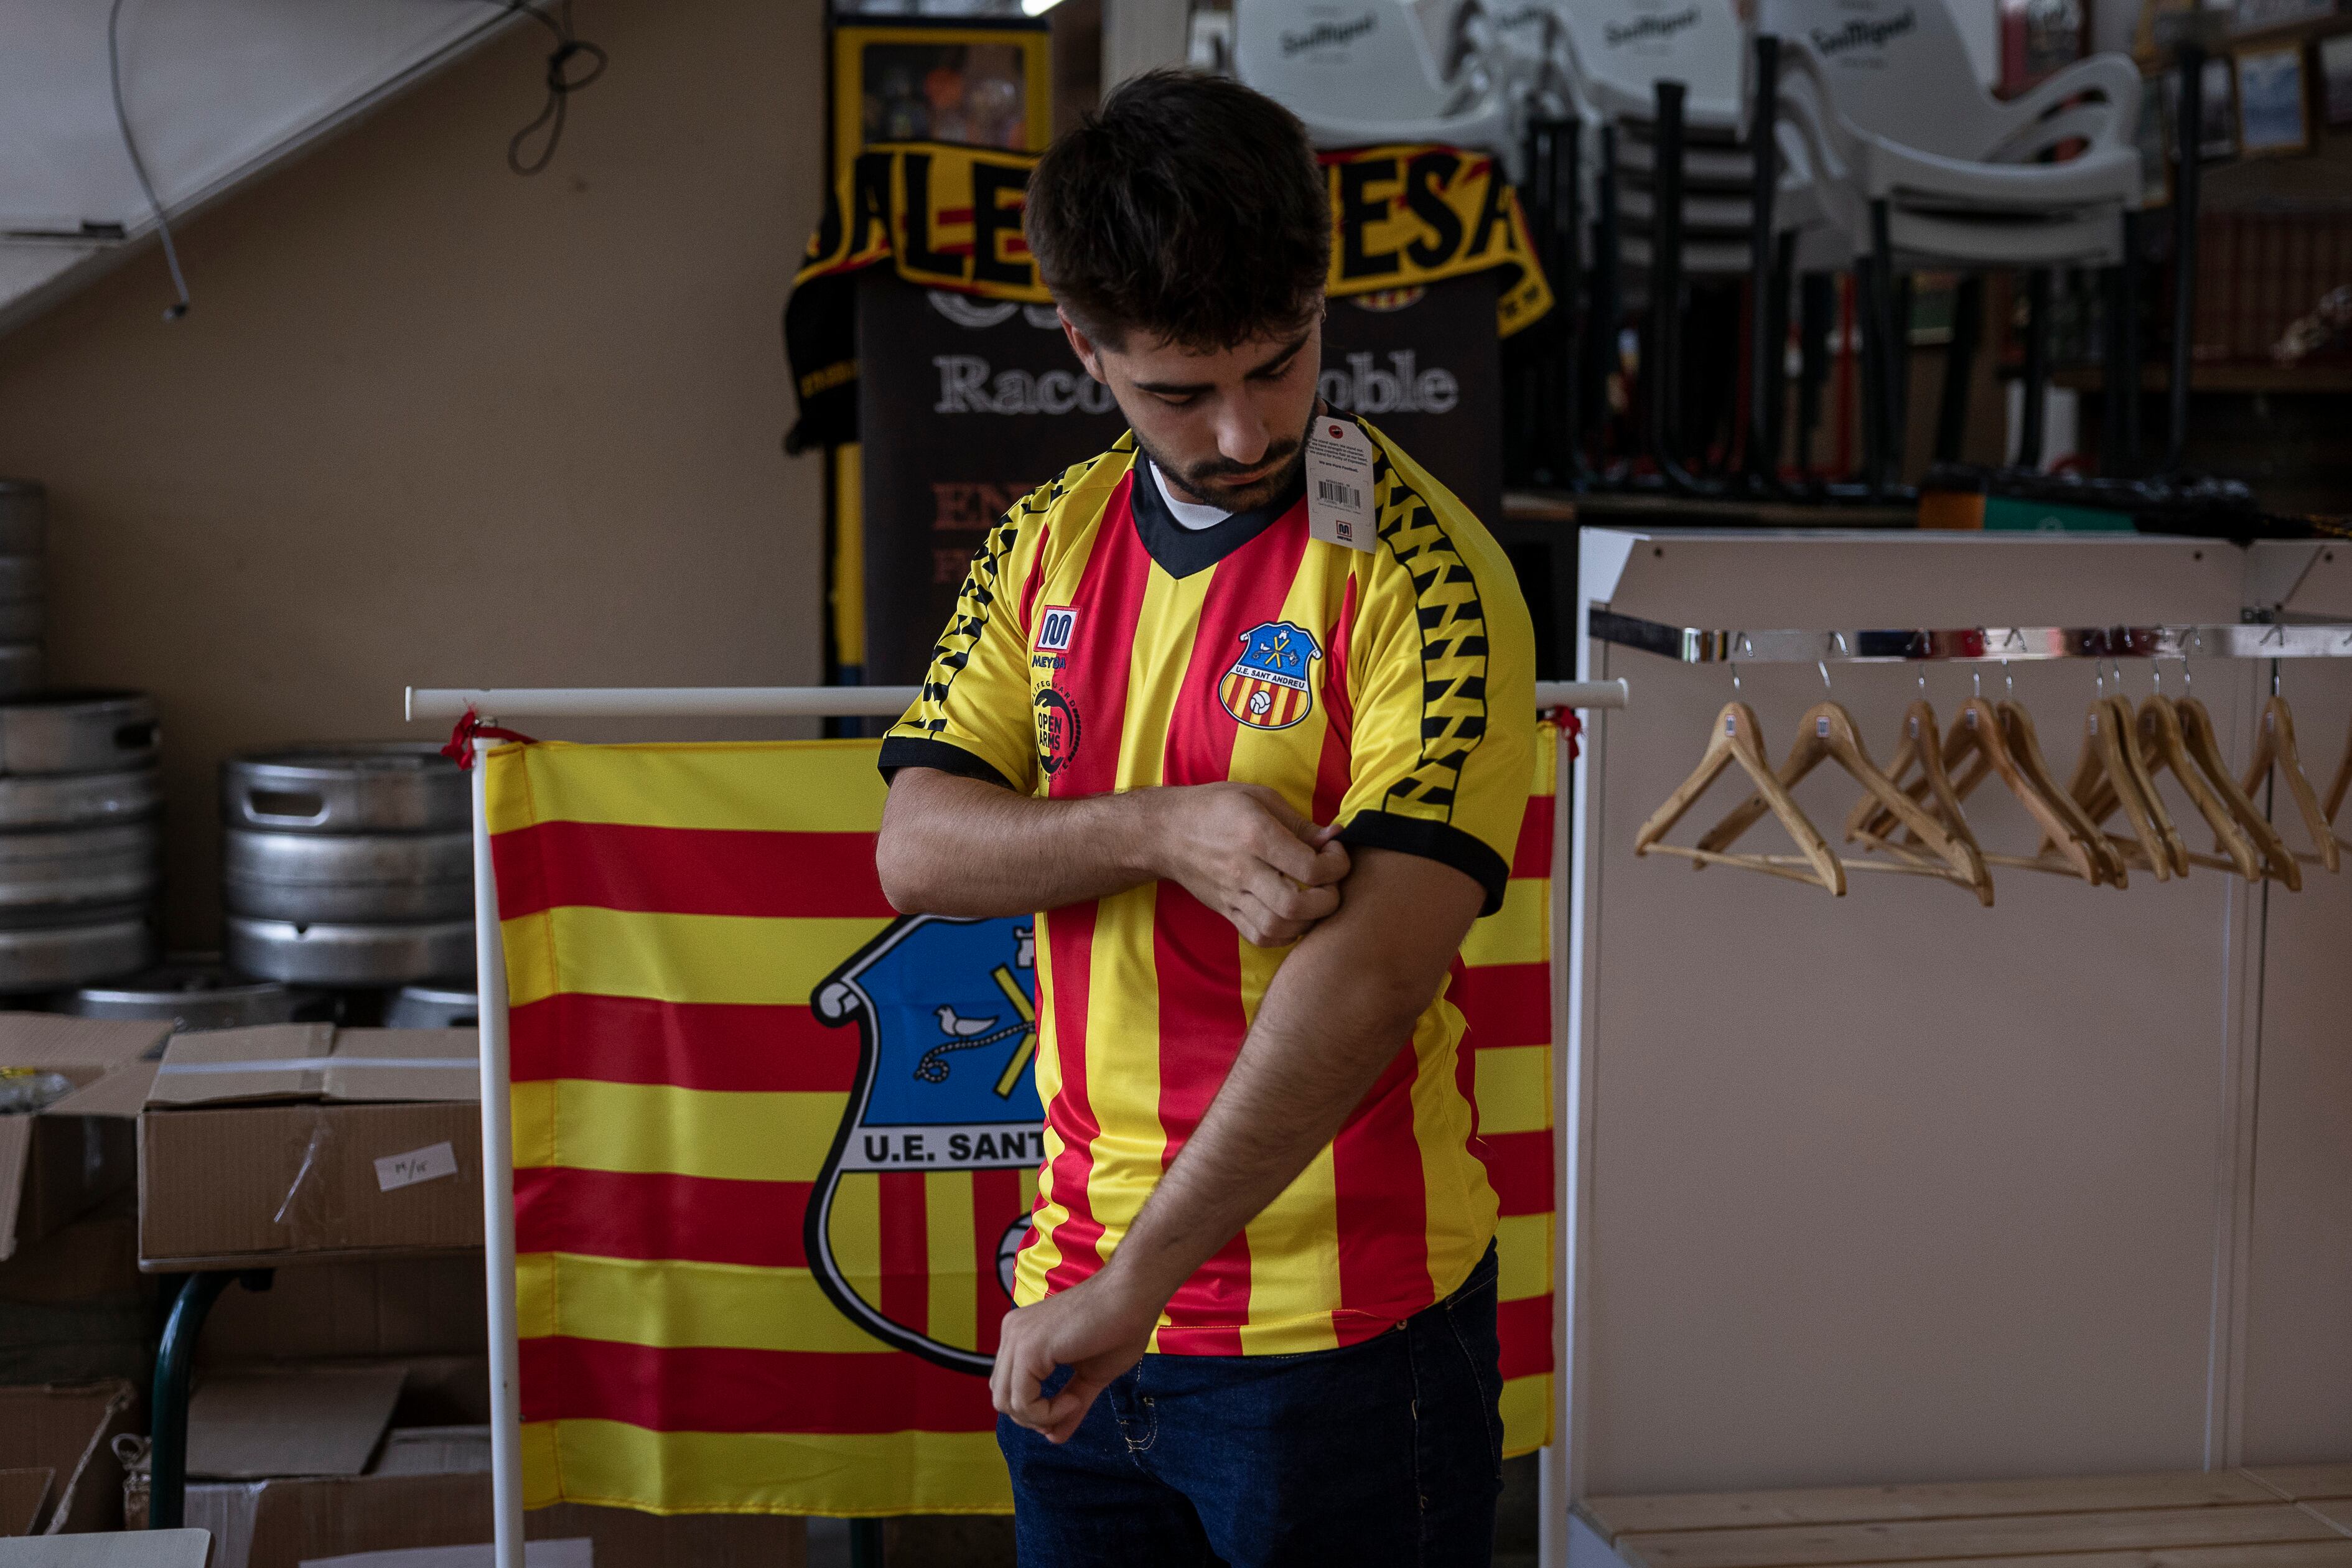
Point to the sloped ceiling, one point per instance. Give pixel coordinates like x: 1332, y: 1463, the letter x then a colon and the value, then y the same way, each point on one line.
x: 217, y: 92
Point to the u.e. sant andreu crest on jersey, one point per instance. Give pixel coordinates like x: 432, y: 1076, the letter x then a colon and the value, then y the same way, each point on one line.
x: 921, y: 1205
x: 1271, y: 686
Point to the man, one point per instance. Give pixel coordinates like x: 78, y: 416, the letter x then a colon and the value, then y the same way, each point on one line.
x: 1261, y: 759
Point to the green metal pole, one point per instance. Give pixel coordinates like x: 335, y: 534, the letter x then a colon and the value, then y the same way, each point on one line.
x: 167, y: 1495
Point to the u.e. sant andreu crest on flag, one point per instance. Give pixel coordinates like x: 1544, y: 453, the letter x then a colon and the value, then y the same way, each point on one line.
x: 943, y: 1121
x: 1270, y: 686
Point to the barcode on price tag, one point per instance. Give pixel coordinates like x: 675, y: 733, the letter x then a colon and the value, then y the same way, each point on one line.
x: 429, y: 1164
x: 1339, y: 473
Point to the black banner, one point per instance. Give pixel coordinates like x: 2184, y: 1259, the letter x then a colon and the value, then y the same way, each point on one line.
x: 1424, y: 367
x: 968, y: 403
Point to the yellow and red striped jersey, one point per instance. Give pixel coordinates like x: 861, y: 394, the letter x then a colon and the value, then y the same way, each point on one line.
x: 1098, y: 646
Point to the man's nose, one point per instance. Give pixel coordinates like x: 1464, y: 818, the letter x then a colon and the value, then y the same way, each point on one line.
x: 1242, y: 435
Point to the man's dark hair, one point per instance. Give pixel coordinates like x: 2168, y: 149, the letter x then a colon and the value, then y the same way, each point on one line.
x: 1189, y: 209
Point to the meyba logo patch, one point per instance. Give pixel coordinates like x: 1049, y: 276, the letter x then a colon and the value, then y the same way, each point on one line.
x: 1057, y: 629
x: 946, y: 1107
x: 1271, y: 686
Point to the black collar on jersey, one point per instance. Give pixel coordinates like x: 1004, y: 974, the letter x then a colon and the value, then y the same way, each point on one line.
x: 1181, y: 551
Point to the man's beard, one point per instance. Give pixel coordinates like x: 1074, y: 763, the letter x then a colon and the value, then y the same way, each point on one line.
x: 1203, y: 481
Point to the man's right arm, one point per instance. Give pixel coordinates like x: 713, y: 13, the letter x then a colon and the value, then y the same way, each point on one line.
x: 958, y: 846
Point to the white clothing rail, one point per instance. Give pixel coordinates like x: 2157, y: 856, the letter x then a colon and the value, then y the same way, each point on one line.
x: 782, y: 701
x: 490, y: 972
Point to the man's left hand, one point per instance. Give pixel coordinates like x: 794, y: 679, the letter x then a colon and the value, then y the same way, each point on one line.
x: 1097, y: 1327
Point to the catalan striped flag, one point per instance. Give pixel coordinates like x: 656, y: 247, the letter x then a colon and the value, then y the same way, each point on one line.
x: 774, y: 1143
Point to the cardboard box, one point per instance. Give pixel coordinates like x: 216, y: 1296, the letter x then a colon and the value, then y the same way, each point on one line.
x: 430, y: 1487
x: 580, y: 1553
x: 286, y: 1523
x: 392, y: 1307
x: 311, y: 1421
x: 25, y: 1498
x: 62, y: 1160
x: 93, y: 1259
x: 74, y: 1307
x: 142, y: 1549
x: 299, y: 1139
x: 69, y: 1432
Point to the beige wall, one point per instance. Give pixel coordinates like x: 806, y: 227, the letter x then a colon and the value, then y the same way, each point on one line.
x: 433, y: 424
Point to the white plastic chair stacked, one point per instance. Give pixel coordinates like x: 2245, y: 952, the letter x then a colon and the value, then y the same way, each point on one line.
x: 1916, y: 165
x: 1620, y: 49
x: 1396, y: 71
x: 1889, y: 109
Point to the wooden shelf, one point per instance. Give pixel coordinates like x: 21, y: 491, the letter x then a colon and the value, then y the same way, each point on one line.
x: 2282, y: 1516
x: 2300, y: 380
x: 2301, y: 32
x: 1553, y: 507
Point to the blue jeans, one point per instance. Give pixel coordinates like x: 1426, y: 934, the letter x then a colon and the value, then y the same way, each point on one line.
x: 1388, y: 1452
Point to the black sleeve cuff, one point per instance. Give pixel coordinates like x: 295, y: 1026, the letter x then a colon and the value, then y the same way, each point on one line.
x: 921, y: 752
x: 1439, y: 841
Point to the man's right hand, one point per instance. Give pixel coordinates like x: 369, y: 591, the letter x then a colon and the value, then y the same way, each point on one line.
x: 1241, y: 850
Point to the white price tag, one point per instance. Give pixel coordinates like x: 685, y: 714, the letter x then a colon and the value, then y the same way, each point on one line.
x: 1339, y: 483
x: 426, y: 1164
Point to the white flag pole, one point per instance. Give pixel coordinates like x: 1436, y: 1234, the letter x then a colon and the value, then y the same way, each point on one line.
x: 785, y: 702
x: 498, y: 1184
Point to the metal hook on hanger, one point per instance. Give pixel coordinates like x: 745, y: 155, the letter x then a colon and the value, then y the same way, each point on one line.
x: 1822, y: 665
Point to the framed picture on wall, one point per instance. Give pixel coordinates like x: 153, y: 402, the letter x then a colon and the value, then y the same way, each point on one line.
x: 2217, y: 113
x: 2038, y: 38
x: 2254, y: 16
x: 2335, y: 77
x: 2274, y: 114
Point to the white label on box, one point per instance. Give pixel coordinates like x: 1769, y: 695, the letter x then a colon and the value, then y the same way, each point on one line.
x: 426, y: 1164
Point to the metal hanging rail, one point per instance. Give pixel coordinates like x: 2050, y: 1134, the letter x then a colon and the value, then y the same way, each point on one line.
x: 1994, y: 644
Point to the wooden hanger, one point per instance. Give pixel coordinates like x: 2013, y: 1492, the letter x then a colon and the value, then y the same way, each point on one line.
x: 1977, y: 749
x: 2143, y: 773
x: 2162, y: 747
x: 1827, y: 733
x: 2025, y: 749
x: 1873, y: 823
x: 2334, y: 800
x: 1737, y: 738
x: 2274, y: 746
x: 2111, y: 773
x: 2197, y: 737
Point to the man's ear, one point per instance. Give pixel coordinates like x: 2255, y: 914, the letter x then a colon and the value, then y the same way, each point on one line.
x: 1082, y: 346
